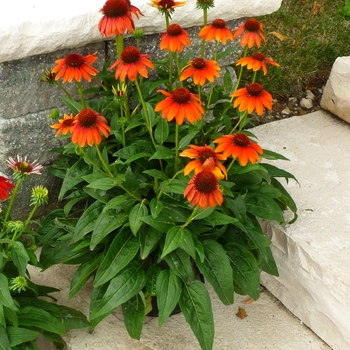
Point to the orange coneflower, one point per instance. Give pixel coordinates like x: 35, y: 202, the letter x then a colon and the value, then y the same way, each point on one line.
x: 256, y: 61
x: 253, y: 33
x: 203, y: 189
x: 131, y: 63
x: 174, y: 39
x: 117, y: 17
x: 239, y: 146
x: 88, y: 127
x: 5, y: 187
x: 217, y: 30
x: 75, y: 66
x: 202, y: 153
x: 253, y: 97
x: 166, y: 6
x: 23, y: 168
x: 180, y: 104
x: 64, y: 125
x: 200, y: 70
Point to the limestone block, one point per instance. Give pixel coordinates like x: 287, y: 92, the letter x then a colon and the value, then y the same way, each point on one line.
x: 312, y: 254
x: 37, y: 28
x: 336, y: 95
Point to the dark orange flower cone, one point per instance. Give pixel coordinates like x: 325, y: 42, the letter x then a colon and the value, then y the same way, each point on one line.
x: 5, y: 187
x: 217, y: 30
x: 203, y: 189
x: 75, y: 66
x: 256, y: 61
x: 239, y: 146
x: 252, y: 31
x: 88, y: 128
x: 64, y: 125
x: 131, y: 63
x: 174, y: 39
x: 252, y: 98
x: 117, y: 18
x: 201, y: 154
x: 200, y: 70
x: 180, y: 104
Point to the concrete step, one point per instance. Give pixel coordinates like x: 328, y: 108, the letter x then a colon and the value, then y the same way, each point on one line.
x: 313, y: 254
x: 269, y: 325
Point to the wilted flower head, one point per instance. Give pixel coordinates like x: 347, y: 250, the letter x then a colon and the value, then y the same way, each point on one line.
x: 39, y: 195
x: 49, y: 76
x: 205, y: 4
x: 23, y: 168
x: 14, y: 227
x: 166, y: 6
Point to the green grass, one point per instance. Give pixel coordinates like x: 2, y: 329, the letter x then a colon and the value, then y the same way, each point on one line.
x: 313, y: 42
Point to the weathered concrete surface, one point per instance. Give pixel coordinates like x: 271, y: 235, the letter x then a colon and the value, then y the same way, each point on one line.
x: 268, y: 324
x: 336, y: 94
x: 34, y: 27
x: 313, y: 254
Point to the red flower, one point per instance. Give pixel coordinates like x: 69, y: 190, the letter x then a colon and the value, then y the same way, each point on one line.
x: 174, y: 39
x: 253, y: 97
x: 239, y: 146
x: 131, y: 63
x: 256, y: 61
x: 5, y: 187
x: 65, y: 125
x: 203, y: 189
x: 252, y: 31
x: 217, y: 30
x: 117, y: 17
x: 200, y: 70
x: 180, y: 104
x: 88, y: 127
x: 202, y: 153
x: 75, y: 66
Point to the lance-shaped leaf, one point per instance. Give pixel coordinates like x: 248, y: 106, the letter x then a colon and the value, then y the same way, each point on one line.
x: 135, y: 216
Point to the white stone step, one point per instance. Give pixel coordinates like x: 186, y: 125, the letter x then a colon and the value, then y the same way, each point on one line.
x: 313, y: 254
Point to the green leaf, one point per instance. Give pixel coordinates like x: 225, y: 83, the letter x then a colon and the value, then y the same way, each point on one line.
x: 148, y: 238
x: 83, y: 273
x: 20, y: 257
x: 108, y: 221
x: 4, y: 340
x: 187, y: 243
x: 196, y: 307
x: 87, y: 221
x: 162, y: 223
x: 134, y: 311
x: 131, y: 182
x: 73, y: 177
x: 169, y: 288
x: 115, y: 202
x: 163, y: 153
x: 152, y: 274
x: 263, y: 207
x: 156, y: 207
x: 202, y: 214
x: 187, y: 139
x: 157, y: 174
x: 5, y: 296
x: 217, y: 218
x: 246, y: 273
x: 135, y: 216
x: 272, y: 155
x: 74, y: 106
x: 121, y: 288
x: 73, y: 319
x: 217, y: 270
x: 34, y: 317
x: 268, y: 264
x: 19, y: 335
x: 180, y: 263
x: 162, y: 131
x: 173, y: 238
x: 121, y: 251
x: 105, y: 184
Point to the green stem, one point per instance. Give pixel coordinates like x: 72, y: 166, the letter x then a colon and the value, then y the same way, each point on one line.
x: 168, y: 183
x: 94, y: 164
x: 81, y: 94
x: 103, y: 161
x: 149, y: 126
x: 170, y: 69
x: 254, y: 77
x: 176, y: 145
x: 63, y: 89
x: 240, y: 122
x: 241, y: 69
x: 167, y: 20
x: 205, y: 22
x: 9, y: 208
x: 119, y: 42
x: 16, y: 237
x: 191, y: 217
x: 229, y: 167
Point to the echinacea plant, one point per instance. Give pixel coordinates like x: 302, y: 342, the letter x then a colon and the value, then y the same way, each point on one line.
x: 23, y: 314
x: 163, y: 183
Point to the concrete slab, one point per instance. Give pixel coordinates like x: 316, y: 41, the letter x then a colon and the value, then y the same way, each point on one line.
x: 268, y: 325
x: 313, y: 254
